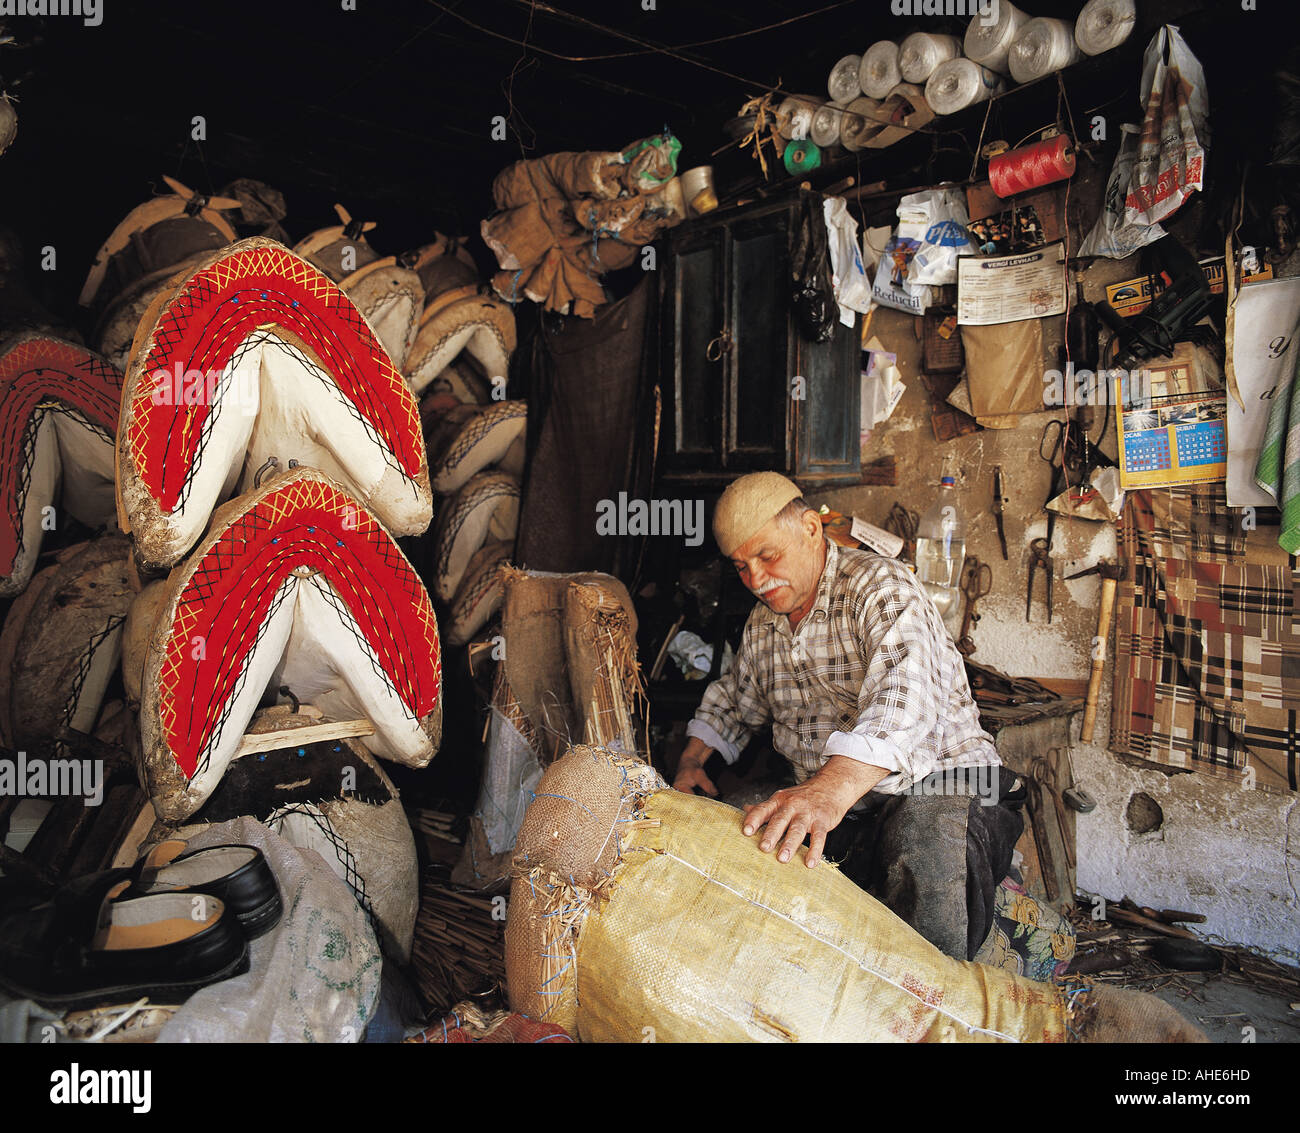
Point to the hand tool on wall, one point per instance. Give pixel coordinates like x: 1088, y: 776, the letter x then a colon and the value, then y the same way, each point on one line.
x: 1110, y: 575
x: 1052, y: 782
x: 1050, y: 859
x: 903, y: 523
x: 976, y: 582
x: 1057, y: 447
x: 1066, y: 446
x: 998, y: 501
x: 1076, y: 797
x: 991, y: 686
x: 1048, y: 812
x: 1179, y: 307
x: 1039, y: 557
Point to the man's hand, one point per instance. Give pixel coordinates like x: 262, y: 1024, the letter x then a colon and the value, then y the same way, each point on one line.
x: 814, y: 808
x: 690, y: 769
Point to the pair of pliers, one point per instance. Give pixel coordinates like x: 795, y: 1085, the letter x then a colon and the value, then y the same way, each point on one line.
x: 1038, y: 557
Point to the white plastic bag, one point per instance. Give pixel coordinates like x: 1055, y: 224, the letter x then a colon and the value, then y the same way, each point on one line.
x: 939, y: 216
x: 1170, y: 163
x: 1113, y: 235
x: 848, y: 276
x: 873, y: 247
x: 313, y: 978
x: 891, y: 287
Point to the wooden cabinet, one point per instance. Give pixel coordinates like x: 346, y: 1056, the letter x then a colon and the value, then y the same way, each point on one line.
x: 743, y: 390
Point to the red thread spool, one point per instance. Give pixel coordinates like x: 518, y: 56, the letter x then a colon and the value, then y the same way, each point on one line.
x: 1030, y: 167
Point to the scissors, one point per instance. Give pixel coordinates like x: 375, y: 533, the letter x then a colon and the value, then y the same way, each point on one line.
x: 976, y: 581
x: 1064, y: 446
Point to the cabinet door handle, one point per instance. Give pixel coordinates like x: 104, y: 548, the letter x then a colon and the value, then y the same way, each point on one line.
x: 718, y: 347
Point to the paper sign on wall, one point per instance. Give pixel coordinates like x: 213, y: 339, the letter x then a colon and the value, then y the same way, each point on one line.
x: 1009, y: 289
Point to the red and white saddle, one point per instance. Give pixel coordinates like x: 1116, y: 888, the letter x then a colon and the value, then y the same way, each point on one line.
x: 259, y: 361
x: 58, y: 417
x: 296, y: 584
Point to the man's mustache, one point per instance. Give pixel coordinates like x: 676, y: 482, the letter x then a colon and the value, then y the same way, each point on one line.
x: 770, y: 585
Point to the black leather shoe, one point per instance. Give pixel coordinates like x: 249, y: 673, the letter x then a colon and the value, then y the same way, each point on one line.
x: 84, y: 949
x: 237, y: 875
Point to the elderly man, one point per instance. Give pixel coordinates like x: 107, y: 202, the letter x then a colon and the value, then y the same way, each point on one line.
x: 848, y: 660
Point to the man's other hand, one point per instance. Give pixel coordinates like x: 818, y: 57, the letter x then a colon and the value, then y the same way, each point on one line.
x: 690, y: 768
x: 690, y: 776
x: 812, y: 809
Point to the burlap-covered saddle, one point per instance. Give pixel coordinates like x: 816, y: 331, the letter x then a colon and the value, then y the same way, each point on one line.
x: 640, y: 912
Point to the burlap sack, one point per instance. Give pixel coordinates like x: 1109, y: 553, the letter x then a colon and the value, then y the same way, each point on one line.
x: 61, y: 643
x: 553, y: 691
x: 570, y: 642
x: 600, y: 649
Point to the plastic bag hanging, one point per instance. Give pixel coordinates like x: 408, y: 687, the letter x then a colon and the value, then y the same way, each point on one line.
x: 814, y: 298
x: 1170, y: 162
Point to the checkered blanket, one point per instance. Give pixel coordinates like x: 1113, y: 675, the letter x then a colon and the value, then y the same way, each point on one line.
x: 1207, y: 647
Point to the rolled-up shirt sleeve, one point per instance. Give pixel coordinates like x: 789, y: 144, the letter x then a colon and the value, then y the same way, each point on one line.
x: 905, y: 689
x: 734, y: 706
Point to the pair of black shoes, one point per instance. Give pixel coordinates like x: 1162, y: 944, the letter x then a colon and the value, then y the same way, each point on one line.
x: 163, y: 928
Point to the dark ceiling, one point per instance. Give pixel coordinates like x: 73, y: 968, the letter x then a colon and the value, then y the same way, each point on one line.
x: 389, y: 108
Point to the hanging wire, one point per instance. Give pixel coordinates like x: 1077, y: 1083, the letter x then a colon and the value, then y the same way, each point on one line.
x: 647, y: 47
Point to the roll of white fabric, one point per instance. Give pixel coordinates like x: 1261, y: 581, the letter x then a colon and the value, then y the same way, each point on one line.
x: 1104, y: 24
x: 921, y: 52
x: 795, y: 114
x: 1043, y: 46
x: 959, y: 83
x: 858, y: 117
x: 842, y: 82
x: 825, y: 129
x: 989, y: 44
x: 879, y: 73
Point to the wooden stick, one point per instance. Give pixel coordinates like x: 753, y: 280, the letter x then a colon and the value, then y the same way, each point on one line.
x: 1098, y: 657
x: 1127, y: 916
x: 658, y: 667
x: 299, y: 737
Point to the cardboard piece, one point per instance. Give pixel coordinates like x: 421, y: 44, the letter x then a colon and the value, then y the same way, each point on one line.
x: 1004, y: 368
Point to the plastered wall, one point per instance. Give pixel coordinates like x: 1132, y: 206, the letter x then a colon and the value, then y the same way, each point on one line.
x: 1231, y: 854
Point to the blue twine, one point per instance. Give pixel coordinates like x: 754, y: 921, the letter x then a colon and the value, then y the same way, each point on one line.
x: 547, y: 795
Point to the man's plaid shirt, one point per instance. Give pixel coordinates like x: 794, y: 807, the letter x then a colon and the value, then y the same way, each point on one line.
x: 870, y: 673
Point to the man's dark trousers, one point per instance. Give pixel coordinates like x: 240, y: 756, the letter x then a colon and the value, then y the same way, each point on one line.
x: 936, y: 856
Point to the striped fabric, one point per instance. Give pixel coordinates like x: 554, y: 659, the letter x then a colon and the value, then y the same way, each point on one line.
x: 1207, y: 648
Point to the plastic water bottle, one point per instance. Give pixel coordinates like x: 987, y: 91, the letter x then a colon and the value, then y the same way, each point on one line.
x: 940, y: 553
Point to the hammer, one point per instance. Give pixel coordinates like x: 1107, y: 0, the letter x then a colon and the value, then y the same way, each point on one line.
x: 1110, y: 575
